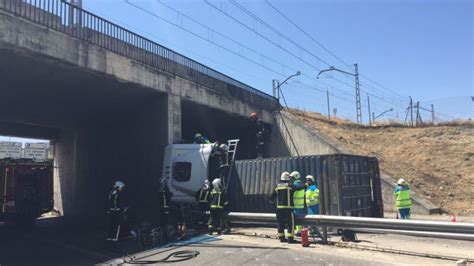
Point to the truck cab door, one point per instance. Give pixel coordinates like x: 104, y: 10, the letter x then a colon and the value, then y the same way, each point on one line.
x: 189, y: 169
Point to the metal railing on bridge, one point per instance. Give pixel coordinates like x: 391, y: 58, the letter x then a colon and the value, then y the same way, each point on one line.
x: 72, y: 20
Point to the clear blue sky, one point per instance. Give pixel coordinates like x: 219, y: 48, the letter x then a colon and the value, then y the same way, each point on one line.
x: 418, y: 48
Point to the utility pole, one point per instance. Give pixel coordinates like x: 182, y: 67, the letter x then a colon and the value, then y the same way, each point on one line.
x: 358, y: 105
x: 432, y: 114
x: 418, y: 118
x: 277, y: 87
x: 357, y: 87
x: 329, y: 112
x: 411, y: 110
x: 368, y: 104
x: 276, y: 92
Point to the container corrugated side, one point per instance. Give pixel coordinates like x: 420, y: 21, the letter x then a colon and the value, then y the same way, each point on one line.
x: 349, y: 185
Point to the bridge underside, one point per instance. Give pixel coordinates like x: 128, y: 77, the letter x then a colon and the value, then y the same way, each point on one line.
x: 219, y: 126
x: 103, y: 129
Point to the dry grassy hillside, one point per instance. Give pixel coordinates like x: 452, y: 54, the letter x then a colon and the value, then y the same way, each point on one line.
x: 437, y: 160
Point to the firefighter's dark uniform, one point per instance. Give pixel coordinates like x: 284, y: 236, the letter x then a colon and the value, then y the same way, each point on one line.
x: 165, y: 197
x: 282, y: 197
x: 260, y: 136
x: 202, y: 197
x: 115, y: 214
x: 218, y: 201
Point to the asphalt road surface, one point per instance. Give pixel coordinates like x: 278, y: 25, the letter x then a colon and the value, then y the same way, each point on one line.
x: 53, y: 243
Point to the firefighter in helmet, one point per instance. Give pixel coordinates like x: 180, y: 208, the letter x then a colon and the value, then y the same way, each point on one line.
x: 116, y: 210
x: 218, y: 201
x: 282, y: 197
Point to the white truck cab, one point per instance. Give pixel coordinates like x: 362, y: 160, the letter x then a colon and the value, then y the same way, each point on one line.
x: 185, y: 168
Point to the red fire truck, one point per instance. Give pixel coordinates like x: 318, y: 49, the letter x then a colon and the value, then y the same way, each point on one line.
x: 26, y: 189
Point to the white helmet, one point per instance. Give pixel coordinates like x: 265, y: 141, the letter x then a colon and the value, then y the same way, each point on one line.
x: 310, y: 177
x: 206, y: 184
x: 216, y: 183
x: 224, y: 147
x: 119, y: 184
x: 401, y: 181
x: 295, y: 175
x: 285, y: 176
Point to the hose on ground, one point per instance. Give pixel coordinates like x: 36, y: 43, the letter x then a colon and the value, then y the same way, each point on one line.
x: 177, y: 256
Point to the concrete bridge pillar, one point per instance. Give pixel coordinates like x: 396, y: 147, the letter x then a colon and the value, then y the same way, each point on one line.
x: 126, y: 145
x: 173, y: 104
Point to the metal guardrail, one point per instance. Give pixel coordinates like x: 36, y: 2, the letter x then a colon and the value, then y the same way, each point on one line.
x: 350, y: 222
x: 72, y: 20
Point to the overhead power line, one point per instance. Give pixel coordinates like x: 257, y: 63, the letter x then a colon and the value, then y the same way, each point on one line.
x: 214, y: 43
x: 309, y: 36
x: 241, y: 45
x: 280, y: 34
x: 260, y: 64
x: 262, y: 36
x: 327, y: 50
x: 200, y: 37
x: 387, y: 89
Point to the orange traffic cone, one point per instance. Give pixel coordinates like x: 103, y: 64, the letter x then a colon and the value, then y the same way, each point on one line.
x: 453, y: 217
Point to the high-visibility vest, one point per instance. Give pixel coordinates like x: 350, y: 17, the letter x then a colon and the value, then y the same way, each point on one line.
x: 298, y: 197
x: 403, y: 200
x: 216, y: 200
x: 312, y: 197
x: 204, y: 196
x: 284, y: 196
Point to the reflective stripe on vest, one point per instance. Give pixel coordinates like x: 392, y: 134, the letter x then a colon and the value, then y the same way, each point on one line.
x: 203, y: 197
x: 216, y: 205
x: 312, y: 197
x: 165, y: 202
x: 298, y: 198
x: 403, y: 200
x: 288, y: 189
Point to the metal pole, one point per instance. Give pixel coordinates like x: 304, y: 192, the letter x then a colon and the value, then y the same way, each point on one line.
x: 278, y: 89
x: 411, y: 110
x: 79, y: 13
x: 329, y: 109
x: 357, y: 88
x: 373, y: 117
x: 432, y: 114
x: 71, y: 13
x: 274, y: 88
x: 368, y: 104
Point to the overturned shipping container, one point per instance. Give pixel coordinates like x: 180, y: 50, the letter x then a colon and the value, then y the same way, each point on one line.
x: 349, y: 185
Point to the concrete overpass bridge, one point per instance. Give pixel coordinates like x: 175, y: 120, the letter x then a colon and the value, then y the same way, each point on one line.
x: 110, y: 100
